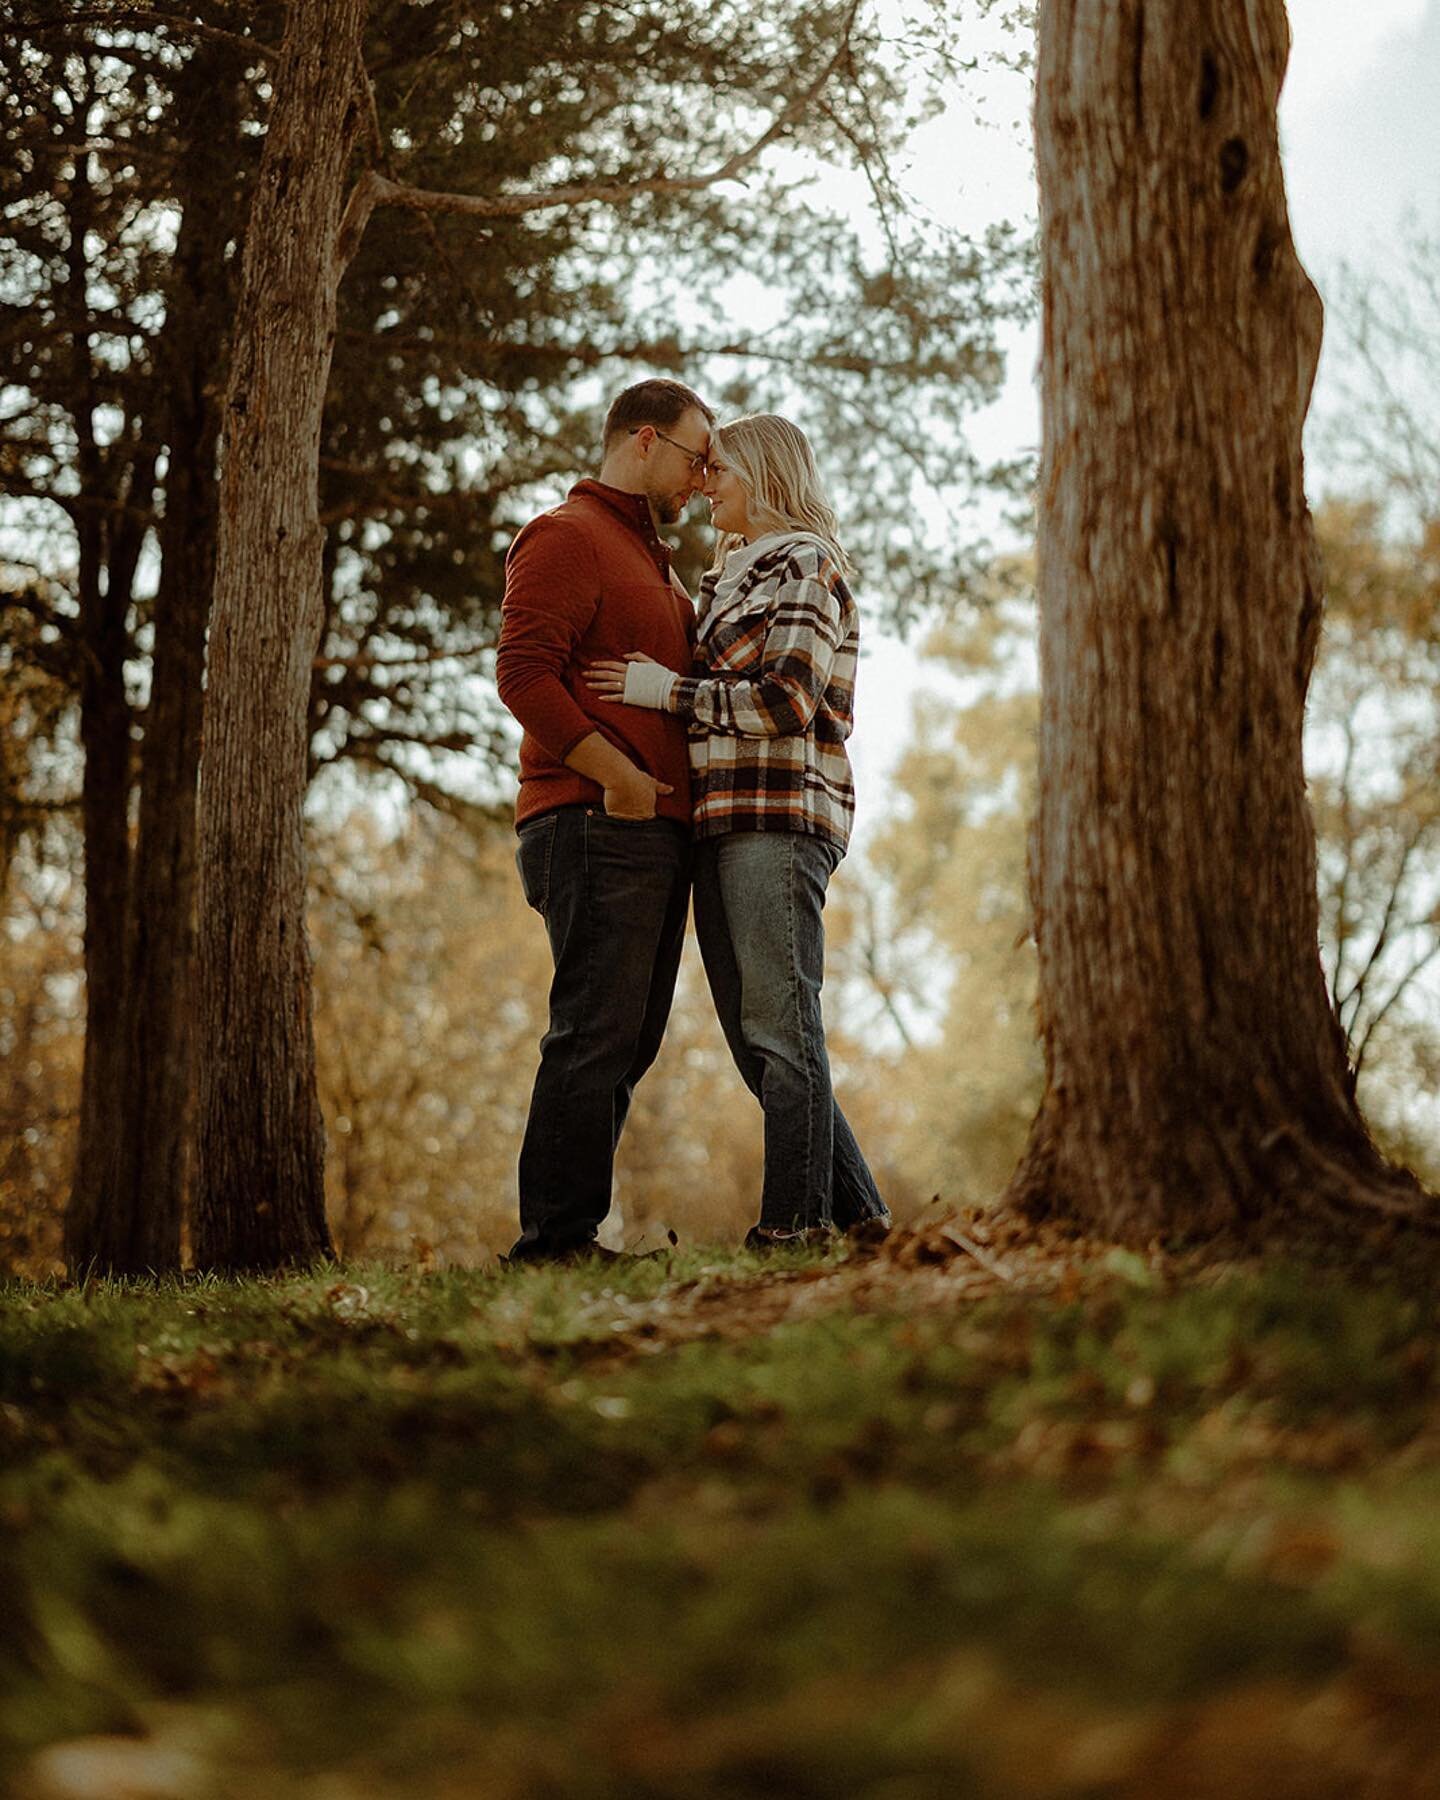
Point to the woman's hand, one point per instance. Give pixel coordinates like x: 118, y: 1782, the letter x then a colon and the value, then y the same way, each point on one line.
x: 607, y: 678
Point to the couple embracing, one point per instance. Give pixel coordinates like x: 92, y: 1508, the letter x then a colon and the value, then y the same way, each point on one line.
x: 660, y: 754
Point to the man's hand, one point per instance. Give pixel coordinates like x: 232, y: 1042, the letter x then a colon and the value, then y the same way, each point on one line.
x: 633, y: 795
x: 629, y: 792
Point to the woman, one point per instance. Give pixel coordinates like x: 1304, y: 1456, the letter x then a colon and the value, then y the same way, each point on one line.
x: 769, y: 708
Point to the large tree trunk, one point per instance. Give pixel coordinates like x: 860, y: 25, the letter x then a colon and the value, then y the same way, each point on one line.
x: 260, y: 1144
x: 1196, y: 1075
x: 140, y: 1222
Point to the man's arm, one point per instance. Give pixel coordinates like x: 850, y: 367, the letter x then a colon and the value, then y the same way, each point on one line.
x: 551, y: 593
x: 629, y: 792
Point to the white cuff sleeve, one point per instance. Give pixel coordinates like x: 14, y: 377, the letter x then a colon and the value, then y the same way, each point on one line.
x: 649, y: 684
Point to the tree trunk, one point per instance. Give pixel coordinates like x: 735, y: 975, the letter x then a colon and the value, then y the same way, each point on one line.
x: 260, y: 1144
x: 105, y: 794
x: 140, y: 1224
x: 1196, y: 1076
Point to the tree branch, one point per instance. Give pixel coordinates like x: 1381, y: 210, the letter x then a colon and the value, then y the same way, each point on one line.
x: 668, y: 352
x: 370, y: 754
x: 1342, y: 928
x: 1354, y: 998
x: 13, y: 488
x: 1416, y: 968
x: 63, y: 623
x: 76, y: 505
x: 362, y: 662
x: 374, y: 189
x: 143, y: 18
x: 372, y: 110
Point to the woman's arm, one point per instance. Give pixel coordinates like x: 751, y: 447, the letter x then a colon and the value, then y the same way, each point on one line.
x: 799, y: 632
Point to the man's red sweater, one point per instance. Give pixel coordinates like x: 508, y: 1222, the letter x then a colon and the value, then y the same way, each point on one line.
x: 591, y: 579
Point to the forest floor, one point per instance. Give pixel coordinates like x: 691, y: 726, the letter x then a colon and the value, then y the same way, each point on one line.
x: 979, y: 1512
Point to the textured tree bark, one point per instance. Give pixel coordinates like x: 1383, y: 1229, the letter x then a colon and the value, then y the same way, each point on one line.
x: 259, y: 1200
x: 1196, y: 1076
x: 139, y: 1227
x: 105, y: 795
x: 105, y: 741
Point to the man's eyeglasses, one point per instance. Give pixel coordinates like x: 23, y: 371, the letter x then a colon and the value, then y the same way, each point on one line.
x: 699, y: 459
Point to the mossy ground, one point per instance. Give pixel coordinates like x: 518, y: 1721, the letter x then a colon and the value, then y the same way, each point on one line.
x: 1070, y: 1522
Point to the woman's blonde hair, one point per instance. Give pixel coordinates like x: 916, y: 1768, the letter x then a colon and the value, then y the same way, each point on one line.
x: 776, y: 467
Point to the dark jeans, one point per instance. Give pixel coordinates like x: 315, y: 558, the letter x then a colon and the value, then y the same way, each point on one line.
x: 758, y: 901
x: 613, y: 894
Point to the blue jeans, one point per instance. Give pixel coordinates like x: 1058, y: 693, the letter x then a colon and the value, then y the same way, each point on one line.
x: 614, y: 894
x: 758, y: 901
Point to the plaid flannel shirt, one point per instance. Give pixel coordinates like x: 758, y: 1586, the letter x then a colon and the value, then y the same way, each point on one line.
x: 772, y: 700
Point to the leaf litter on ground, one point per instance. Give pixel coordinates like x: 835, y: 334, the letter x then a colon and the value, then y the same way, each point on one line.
x: 979, y: 1507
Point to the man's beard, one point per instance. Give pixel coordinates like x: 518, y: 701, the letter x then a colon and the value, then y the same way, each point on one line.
x: 668, y: 507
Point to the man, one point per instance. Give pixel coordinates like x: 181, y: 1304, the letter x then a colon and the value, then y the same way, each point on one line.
x: 603, y: 813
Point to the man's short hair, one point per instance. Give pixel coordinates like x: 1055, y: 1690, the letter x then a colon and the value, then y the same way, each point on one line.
x: 657, y: 402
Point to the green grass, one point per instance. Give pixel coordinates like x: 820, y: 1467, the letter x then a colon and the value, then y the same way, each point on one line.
x: 465, y: 1533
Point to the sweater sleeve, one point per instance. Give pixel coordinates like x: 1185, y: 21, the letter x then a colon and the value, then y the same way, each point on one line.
x: 803, y: 627
x: 551, y: 595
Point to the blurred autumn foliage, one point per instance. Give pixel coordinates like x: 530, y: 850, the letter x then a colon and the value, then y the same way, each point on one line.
x: 939, y: 926
x: 431, y: 982
x: 1375, y: 791
x: 41, y: 1043
x: 431, y: 979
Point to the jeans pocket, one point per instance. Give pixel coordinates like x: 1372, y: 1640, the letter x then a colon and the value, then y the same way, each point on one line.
x: 532, y: 859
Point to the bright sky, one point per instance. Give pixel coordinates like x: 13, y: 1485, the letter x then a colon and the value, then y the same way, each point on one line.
x: 1360, y: 122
